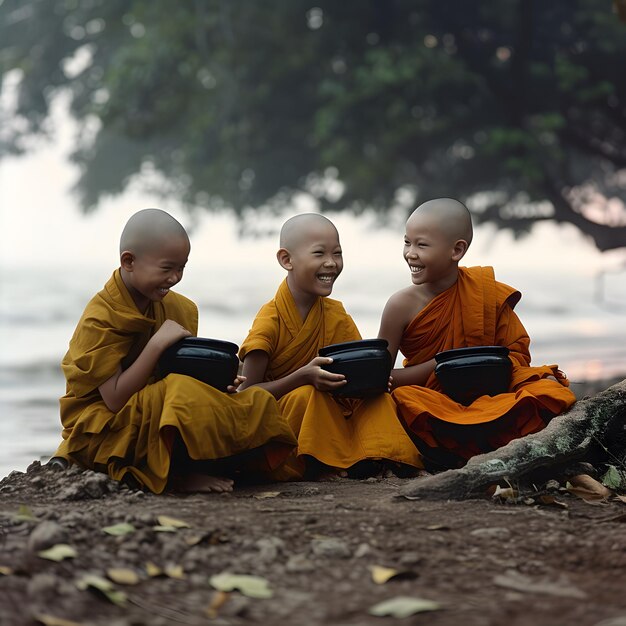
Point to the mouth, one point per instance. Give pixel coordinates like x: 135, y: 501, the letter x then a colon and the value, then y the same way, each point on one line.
x: 416, y: 269
x: 327, y: 279
x: 163, y: 291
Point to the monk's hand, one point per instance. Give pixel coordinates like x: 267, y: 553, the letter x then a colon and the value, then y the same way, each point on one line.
x: 321, y: 379
x: 169, y: 333
x: 239, y: 380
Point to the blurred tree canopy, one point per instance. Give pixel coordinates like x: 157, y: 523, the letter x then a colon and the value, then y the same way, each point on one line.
x: 517, y: 107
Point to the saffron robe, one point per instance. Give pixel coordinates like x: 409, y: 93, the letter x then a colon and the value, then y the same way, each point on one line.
x: 337, y: 432
x: 138, y: 439
x: 477, y: 310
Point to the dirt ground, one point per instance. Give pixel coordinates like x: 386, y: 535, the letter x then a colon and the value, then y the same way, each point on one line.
x: 317, y: 547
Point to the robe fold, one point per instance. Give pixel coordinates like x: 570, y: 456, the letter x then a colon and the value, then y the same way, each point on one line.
x: 476, y: 310
x: 337, y: 432
x: 138, y: 439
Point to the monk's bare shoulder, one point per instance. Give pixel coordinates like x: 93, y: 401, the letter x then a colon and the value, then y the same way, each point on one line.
x: 405, y: 304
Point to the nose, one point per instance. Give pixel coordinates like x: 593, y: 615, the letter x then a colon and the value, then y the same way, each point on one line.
x: 175, y: 277
x: 330, y: 262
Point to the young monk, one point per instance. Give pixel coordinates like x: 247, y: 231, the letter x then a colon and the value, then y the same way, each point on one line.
x: 117, y: 418
x: 280, y: 355
x: 446, y: 307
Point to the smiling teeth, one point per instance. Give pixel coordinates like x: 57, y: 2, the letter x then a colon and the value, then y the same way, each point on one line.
x: 326, y: 279
x: 414, y: 269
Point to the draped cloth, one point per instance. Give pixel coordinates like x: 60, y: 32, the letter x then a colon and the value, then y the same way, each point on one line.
x: 138, y: 439
x: 476, y: 310
x: 337, y: 432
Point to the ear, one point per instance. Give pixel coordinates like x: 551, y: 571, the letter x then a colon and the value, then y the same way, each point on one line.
x: 127, y: 260
x: 284, y: 258
x: 459, y: 249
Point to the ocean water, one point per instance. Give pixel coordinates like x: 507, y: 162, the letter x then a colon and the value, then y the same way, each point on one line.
x: 573, y: 305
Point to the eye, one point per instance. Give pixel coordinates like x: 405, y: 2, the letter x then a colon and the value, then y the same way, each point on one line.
x: 407, y: 243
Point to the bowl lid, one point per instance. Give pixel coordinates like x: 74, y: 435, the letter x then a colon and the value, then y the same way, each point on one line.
x: 206, y: 342
x: 456, y: 353
x: 361, y: 344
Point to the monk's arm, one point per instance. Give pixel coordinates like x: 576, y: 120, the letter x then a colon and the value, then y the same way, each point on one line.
x: 393, y: 324
x: 255, y: 365
x: 117, y: 390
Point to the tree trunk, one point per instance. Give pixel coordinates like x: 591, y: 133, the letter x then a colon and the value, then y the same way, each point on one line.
x: 593, y: 430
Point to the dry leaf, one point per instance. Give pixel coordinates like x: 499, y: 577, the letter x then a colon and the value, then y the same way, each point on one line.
x: 551, y: 500
x: 165, y: 520
x: 104, y: 586
x: 437, y: 527
x: 380, y: 575
x: 117, y: 530
x: 505, y: 493
x: 123, y: 576
x: 512, y: 579
x: 266, y: 494
x: 25, y: 514
x: 403, y: 606
x: 219, y: 599
x: 251, y: 586
x: 165, y: 529
x: 153, y: 570
x: 58, y: 552
x: 620, y: 497
x: 175, y: 571
x: 5, y: 571
x: 51, y: 620
x: 586, y: 487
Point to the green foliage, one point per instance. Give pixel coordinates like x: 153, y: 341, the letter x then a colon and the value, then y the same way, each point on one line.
x: 241, y: 104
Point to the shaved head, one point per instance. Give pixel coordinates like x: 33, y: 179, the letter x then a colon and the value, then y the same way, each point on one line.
x: 299, y: 228
x: 451, y: 217
x: 149, y: 229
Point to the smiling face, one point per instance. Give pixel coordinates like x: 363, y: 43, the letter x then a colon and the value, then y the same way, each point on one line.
x: 313, y: 258
x: 430, y: 251
x: 151, y: 273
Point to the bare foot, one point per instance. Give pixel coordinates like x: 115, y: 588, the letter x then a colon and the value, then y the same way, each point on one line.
x: 201, y: 483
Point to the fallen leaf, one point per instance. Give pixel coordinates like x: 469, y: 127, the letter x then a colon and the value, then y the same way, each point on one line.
x: 551, y: 501
x: 58, y: 552
x: 219, y: 599
x: 262, y: 495
x: 251, y: 586
x: 123, y: 576
x: 437, y: 527
x: 124, y: 528
x: 104, y: 586
x: 612, y: 478
x: 153, y: 570
x: 165, y: 529
x: 505, y: 493
x: 51, y: 620
x: 380, y: 574
x: 588, y: 489
x: 175, y: 571
x: 165, y: 520
x: 403, y: 606
x: 25, y: 514
x: 5, y: 571
x: 620, y: 497
x: 512, y: 579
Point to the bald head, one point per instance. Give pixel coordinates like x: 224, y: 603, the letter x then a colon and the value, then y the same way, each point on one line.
x: 450, y: 216
x: 298, y: 229
x: 149, y: 229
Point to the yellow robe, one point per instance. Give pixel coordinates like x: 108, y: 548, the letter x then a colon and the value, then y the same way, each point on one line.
x: 337, y: 432
x: 476, y: 310
x: 138, y: 439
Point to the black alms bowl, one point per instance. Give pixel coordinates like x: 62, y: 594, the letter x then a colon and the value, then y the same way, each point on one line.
x: 212, y: 361
x: 366, y: 364
x: 468, y: 373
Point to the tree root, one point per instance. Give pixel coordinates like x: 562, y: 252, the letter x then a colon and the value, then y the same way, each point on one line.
x: 593, y: 430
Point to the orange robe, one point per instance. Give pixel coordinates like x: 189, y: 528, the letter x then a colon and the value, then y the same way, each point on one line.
x: 138, y: 439
x: 337, y: 432
x: 476, y: 310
